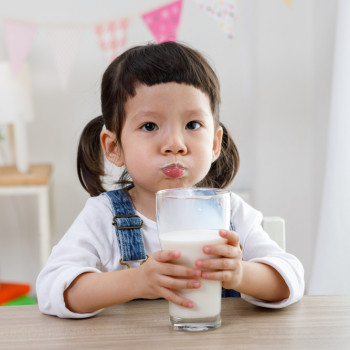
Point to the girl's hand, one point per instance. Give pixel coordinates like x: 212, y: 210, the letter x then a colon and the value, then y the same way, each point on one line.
x: 159, y: 278
x: 227, y: 265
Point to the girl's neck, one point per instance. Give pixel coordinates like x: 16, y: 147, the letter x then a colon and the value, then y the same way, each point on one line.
x: 144, y: 202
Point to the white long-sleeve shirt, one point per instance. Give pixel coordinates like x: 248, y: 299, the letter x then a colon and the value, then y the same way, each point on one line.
x: 90, y: 245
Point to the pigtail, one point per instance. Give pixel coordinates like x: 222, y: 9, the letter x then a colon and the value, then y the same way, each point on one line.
x: 150, y: 65
x: 90, y: 159
x: 225, y: 168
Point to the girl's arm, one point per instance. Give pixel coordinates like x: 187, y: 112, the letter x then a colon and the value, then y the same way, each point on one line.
x: 255, y: 279
x: 263, y: 282
x: 156, y: 278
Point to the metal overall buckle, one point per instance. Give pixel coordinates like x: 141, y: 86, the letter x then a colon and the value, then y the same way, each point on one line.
x: 126, y: 228
x: 128, y: 266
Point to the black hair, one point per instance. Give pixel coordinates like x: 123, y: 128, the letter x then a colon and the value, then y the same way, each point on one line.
x: 151, y: 64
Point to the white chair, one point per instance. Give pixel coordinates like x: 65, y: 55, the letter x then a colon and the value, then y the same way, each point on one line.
x: 274, y: 226
x: 37, y: 181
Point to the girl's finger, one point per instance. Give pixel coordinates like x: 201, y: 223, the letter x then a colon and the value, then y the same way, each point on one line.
x: 225, y: 250
x: 166, y: 267
x: 231, y: 236
x: 166, y: 255
x: 177, y: 299
x: 179, y: 271
x: 223, y: 276
x: 178, y: 284
x: 217, y: 264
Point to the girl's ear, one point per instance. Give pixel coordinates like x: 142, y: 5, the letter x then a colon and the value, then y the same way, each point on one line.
x: 111, y: 148
x: 217, y: 143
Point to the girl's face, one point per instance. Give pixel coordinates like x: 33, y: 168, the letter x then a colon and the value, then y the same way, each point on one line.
x: 168, y: 139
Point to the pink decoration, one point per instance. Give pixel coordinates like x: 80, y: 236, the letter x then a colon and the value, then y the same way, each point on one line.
x: 164, y: 21
x: 18, y: 39
x: 112, y: 37
x: 223, y: 11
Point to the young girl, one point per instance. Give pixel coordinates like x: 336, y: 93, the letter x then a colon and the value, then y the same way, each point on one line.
x: 160, y: 121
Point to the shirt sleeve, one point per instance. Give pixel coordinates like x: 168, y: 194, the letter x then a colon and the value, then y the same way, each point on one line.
x: 259, y: 247
x: 86, y: 247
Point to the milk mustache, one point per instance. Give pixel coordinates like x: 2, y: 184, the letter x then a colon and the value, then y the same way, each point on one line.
x: 207, y: 299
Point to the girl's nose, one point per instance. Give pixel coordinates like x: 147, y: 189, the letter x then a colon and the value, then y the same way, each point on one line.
x: 174, y: 143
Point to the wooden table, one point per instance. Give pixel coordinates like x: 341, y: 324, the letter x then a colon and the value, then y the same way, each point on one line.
x: 316, y: 322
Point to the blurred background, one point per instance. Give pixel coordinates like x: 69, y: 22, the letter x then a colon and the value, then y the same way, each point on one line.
x: 274, y: 59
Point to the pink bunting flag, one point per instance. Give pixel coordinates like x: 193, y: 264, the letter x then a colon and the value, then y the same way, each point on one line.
x: 112, y: 37
x: 18, y: 38
x: 164, y: 21
x: 64, y: 41
x: 223, y: 11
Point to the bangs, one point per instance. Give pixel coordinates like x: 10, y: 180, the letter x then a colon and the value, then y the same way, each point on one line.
x: 168, y: 62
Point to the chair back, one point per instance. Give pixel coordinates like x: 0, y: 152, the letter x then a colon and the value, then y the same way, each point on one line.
x: 274, y: 226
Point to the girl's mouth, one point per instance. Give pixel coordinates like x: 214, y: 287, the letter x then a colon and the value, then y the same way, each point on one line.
x: 173, y: 170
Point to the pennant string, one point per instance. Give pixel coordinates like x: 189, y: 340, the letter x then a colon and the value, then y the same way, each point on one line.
x: 163, y: 23
x: 112, y: 37
x: 82, y: 23
x: 18, y: 39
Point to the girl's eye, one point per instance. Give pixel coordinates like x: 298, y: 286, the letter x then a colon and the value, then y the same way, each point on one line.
x: 149, y: 127
x: 193, y: 125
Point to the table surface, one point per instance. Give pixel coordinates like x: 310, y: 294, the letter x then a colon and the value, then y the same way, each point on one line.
x: 38, y: 174
x: 315, y: 322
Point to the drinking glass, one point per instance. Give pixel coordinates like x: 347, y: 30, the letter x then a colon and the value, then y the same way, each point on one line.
x: 188, y: 219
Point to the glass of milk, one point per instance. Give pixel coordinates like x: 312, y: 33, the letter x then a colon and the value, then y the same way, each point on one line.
x: 188, y: 219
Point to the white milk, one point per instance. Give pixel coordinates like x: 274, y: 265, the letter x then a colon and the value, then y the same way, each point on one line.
x: 207, y: 299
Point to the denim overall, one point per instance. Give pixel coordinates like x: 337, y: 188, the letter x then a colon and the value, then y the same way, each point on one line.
x: 128, y: 230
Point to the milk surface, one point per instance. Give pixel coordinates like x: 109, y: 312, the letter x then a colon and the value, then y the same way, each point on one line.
x: 207, y: 299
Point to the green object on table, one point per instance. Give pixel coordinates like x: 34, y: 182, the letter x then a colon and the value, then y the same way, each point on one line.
x: 24, y: 300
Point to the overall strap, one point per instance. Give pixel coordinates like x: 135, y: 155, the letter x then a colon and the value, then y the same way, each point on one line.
x: 127, y: 226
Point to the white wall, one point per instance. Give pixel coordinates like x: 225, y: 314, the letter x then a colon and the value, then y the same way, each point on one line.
x: 294, y: 60
x: 275, y: 77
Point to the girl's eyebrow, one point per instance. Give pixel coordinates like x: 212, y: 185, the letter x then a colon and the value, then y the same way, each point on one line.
x: 197, y: 111
x: 145, y: 114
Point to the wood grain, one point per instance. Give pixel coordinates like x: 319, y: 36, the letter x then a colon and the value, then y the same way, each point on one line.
x: 316, y: 322
x: 37, y: 175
